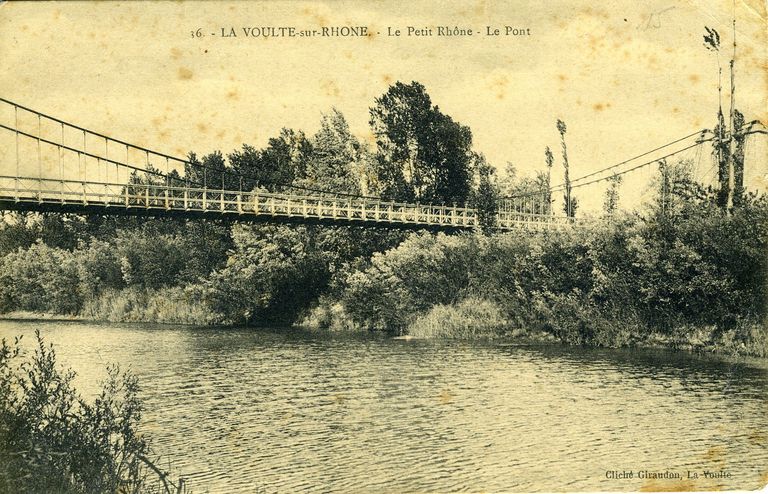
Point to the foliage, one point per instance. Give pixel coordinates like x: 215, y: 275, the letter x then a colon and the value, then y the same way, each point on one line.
x: 271, y: 275
x: 337, y: 159
x: 570, y: 203
x: 613, y: 284
x: 21, y: 230
x: 51, y: 440
x: 422, y: 271
x: 485, y: 195
x: 611, y: 201
x: 178, y: 305
x: 150, y: 261
x: 39, y: 279
x: 422, y: 154
x: 98, y: 269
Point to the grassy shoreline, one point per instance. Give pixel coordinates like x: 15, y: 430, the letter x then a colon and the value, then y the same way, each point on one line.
x: 699, y: 340
x: 23, y: 315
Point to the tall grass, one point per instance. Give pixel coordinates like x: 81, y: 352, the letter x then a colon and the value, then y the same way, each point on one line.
x: 469, y: 319
x: 165, y: 305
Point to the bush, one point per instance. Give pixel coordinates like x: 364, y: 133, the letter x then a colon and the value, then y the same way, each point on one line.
x: 53, y: 441
x: 99, y: 269
x: 39, y: 279
x: 576, y: 320
x: 422, y: 271
x: 328, y: 315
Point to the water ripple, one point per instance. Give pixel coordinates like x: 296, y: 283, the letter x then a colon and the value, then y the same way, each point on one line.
x: 258, y: 411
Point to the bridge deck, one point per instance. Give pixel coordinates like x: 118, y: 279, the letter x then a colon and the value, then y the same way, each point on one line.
x: 41, y: 194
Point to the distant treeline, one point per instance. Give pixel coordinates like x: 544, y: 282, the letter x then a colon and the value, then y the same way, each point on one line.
x: 679, y: 271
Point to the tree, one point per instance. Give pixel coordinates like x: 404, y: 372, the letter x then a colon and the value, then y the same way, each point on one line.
x: 722, y: 151
x: 550, y: 160
x: 508, y: 181
x: 611, y: 201
x: 422, y: 154
x: 17, y: 230
x: 485, y: 194
x: 282, y: 161
x: 275, y: 167
x: 738, y: 158
x: 285, y: 159
x: 528, y: 195
x: 210, y: 172
x: 271, y: 275
x: 337, y: 158
x: 570, y: 202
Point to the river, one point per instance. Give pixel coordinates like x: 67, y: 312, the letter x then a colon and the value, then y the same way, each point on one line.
x: 244, y: 410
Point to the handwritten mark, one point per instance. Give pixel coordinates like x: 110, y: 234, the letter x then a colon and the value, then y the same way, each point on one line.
x: 654, y: 19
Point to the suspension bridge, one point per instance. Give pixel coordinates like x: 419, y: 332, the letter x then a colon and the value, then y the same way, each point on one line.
x: 50, y: 165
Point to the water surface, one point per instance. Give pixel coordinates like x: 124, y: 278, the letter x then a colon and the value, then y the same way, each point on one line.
x: 243, y: 410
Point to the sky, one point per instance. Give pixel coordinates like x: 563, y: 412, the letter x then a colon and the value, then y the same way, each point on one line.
x: 624, y: 77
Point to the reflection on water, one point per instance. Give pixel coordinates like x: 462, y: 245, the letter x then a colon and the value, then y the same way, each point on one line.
x: 257, y: 411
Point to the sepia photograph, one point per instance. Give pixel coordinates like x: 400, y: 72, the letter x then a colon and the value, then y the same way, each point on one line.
x: 336, y: 246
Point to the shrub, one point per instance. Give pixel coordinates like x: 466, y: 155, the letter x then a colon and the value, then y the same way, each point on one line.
x: 422, y: 271
x: 328, y: 315
x: 53, y: 441
x: 576, y: 320
x: 39, y: 279
x: 99, y: 268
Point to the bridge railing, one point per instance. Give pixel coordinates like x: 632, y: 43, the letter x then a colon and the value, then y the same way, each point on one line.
x: 260, y: 203
x: 166, y: 197
x: 514, y: 220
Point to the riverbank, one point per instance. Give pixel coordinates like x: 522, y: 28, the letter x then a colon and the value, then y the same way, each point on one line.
x: 435, y: 327
x: 23, y: 315
x: 699, y: 282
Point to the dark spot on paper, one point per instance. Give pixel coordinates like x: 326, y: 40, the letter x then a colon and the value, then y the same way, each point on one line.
x: 185, y: 74
x: 446, y: 397
x: 499, y: 86
x: 652, y: 485
x: 330, y: 88
x: 315, y: 16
